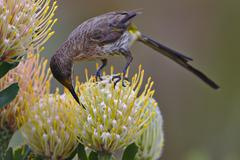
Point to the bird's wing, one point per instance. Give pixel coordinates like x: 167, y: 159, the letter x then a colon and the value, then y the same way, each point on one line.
x: 106, y: 35
x: 110, y: 27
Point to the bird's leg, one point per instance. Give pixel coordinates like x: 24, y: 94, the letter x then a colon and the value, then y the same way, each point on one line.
x: 128, y: 56
x: 98, y: 73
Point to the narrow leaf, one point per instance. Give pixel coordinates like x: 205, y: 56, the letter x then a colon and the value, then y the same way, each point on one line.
x: 78, y: 152
x: 21, y: 153
x: 81, y: 152
x: 16, y: 141
x: 5, y: 67
x: 75, y: 158
x: 73, y: 155
x: 9, y: 154
x: 93, y: 156
x: 26, y: 152
x: 130, y: 152
x: 8, y: 94
x: 18, y: 154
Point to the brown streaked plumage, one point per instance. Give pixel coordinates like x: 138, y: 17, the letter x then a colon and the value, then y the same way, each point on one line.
x: 105, y: 35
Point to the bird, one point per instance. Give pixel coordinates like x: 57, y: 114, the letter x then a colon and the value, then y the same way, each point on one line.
x: 106, y: 35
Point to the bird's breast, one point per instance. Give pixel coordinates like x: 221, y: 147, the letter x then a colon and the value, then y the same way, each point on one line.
x: 124, y: 42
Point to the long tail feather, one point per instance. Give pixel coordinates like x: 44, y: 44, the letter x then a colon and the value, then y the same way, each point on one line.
x: 178, y: 58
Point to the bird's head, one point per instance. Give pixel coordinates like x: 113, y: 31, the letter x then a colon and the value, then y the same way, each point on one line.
x: 61, y: 68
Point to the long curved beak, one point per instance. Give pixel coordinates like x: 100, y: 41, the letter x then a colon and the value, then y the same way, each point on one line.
x: 68, y: 84
x: 74, y: 94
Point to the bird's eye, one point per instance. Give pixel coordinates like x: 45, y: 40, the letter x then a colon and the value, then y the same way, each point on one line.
x: 114, y: 23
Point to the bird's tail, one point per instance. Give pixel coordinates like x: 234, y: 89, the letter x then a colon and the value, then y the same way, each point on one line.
x: 177, y: 57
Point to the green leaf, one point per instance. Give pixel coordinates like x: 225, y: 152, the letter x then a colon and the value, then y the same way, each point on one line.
x: 130, y: 152
x: 38, y: 157
x: 81, y: 152
x: 73, y: 155
x: 5, y: 67
x: 25, y: 153
x: 9, y: 154
x: 93, y: 156
x: 16, y: 141
x: 19, y: 154
x: 8, y: 94
x: 75, y: 158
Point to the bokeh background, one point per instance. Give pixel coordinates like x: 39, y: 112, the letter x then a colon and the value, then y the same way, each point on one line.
x: 199, y: 123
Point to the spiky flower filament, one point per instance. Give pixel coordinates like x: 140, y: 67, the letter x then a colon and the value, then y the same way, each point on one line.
x: 49, y: 127
x: 150, y: 143
x: 25, y: 25
x: 115, y: 116
x: 34, y: 79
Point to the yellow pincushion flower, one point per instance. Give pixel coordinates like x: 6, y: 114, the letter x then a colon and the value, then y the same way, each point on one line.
x: 49, y: 127
x: 150, y: 143
x: 114, y: 116
x: 25, y: 25
x: 34, y: 80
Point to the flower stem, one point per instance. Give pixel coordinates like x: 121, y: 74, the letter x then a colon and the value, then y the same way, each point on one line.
x: 104, y: 156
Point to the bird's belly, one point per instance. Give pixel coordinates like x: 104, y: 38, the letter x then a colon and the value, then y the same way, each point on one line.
x: 124, y: 42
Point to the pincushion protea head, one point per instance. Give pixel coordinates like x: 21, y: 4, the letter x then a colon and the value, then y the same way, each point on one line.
x: 34, y: 82
x: 114, y: 116
x: 25, y: 25
x: 49, y: 127
x: 150, y: 143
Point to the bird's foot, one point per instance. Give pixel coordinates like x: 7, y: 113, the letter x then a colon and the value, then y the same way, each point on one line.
x: 98, y: 76
x: 118, y: 78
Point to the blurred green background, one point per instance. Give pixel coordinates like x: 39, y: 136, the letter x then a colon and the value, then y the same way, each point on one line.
x: 199, y: 123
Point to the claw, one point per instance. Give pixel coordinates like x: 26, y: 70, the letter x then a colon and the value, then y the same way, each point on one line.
x: 119, y: 78
x: 123, y: 82
x: 98, y: 76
